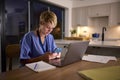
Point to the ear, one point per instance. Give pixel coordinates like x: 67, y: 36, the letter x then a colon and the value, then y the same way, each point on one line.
x: 41, y: 23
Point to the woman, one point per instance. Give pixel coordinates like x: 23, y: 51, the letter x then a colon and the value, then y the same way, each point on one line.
x: 39, y: 44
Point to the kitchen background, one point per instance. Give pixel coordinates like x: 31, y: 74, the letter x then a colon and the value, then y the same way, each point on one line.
x: 91, y: 19
x: 86, y: 16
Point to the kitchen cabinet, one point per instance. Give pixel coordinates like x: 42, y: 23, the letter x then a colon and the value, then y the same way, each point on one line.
x: 105, y: 51
x: 80, y: 16
x: 84, y: 15
x: 114, y: 18
x: 99, y: 10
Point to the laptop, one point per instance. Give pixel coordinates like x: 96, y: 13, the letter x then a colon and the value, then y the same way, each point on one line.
x: 71, y: 53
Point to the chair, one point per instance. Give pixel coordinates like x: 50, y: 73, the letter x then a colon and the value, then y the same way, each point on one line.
x: 12, y: 51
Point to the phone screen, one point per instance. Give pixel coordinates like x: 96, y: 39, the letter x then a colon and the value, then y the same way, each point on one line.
x: 57, y: 50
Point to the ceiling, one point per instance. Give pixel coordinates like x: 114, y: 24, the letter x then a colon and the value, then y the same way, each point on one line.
x: 81, y: 3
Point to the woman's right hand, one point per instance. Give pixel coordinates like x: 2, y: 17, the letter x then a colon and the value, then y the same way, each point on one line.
x: 46, y: 56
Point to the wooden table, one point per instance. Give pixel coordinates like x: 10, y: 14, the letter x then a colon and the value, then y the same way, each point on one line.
x: 68, y: 72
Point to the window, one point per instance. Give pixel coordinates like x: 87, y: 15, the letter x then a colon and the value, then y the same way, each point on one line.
x: 37, y: 7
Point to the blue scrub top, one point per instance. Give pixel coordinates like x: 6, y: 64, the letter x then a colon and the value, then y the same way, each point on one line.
x: 31, y: 47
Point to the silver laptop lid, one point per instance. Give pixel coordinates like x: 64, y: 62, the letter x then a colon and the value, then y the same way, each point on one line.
x: 75, y: 52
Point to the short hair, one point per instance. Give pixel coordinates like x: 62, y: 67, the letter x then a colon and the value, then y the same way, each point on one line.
x: 48, y: 16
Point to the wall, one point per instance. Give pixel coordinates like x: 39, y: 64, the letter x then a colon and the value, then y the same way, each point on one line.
x: 111, y: 33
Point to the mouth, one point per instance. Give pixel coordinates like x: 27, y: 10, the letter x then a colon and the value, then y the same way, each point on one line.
x: 47, y: 33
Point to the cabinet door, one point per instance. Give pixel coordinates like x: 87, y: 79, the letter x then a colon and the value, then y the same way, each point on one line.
x: 99, y: 10
x: 74, y: 17
x: 114, y: 18
x: 80, y: 16
x: 83, y: 16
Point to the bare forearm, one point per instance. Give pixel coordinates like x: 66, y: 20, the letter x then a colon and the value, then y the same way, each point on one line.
x: 25, y: 61
x: 44, y: 57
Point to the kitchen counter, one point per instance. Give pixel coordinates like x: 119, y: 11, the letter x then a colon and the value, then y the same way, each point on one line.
x: 112, y: 44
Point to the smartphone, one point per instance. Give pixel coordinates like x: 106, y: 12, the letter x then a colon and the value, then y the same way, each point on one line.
x: 57, y: 50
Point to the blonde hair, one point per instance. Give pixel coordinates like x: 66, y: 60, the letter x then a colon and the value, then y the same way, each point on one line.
x: 48, y: 16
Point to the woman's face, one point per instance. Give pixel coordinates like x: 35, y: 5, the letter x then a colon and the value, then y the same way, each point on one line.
x: 46, y: 28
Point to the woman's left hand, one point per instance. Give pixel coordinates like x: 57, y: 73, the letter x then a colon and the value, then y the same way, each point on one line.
x: 54, y: 55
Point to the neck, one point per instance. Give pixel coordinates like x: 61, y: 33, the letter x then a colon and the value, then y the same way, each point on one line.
x: 41, y: 34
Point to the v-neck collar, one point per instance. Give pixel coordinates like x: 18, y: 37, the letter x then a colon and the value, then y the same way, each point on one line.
x: 42, y: 44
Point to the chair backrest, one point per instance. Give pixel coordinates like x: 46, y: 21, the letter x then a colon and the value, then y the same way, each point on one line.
x: 12, y: 51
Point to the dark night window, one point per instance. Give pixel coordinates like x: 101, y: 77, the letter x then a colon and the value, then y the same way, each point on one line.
x: 38, y: 7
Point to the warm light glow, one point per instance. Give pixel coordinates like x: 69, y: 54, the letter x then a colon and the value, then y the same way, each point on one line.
x: 85, y: 29
x: 118, y: 28
x: 82, y: 31
x: 78, y: 30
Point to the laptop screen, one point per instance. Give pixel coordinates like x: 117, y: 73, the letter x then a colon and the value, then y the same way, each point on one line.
x: 75, y: 51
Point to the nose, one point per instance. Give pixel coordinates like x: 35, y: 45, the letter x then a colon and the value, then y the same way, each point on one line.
x: 50, y: 30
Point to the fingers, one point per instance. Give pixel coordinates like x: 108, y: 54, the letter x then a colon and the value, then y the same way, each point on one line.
x: 59, y: 55
x: 47, y: 56
x: 54, y: 55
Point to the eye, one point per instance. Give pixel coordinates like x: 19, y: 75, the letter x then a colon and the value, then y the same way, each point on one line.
x: 49, y: 27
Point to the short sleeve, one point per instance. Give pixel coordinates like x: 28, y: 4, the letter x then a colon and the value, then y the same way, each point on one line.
x: 25, y: 47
